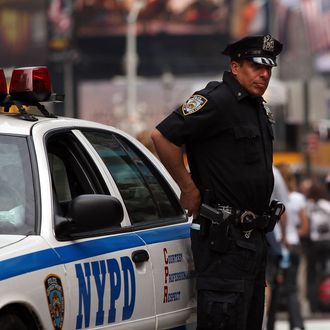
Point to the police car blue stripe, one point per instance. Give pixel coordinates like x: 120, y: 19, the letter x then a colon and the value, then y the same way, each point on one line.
x: 27, y: 263
x: 165, y: 234
x: 97, y: 247
x: 51, y: 257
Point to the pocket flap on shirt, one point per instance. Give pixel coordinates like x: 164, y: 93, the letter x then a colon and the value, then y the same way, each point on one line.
x: 246, y: 132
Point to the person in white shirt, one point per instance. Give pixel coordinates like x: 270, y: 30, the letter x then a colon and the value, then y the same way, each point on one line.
x: 297, y: 226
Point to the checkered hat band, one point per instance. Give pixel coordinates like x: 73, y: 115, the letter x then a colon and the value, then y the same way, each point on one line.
x: 264, y: 60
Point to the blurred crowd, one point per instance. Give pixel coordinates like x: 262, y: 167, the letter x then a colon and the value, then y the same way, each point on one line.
x: 298, y: 273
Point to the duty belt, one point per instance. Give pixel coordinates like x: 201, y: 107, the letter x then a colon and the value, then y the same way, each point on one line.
x: 245, y: 220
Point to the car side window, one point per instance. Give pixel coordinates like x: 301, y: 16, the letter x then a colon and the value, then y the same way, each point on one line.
x: 17, y: 200
x: 146, y: 194
x: 71, y: 171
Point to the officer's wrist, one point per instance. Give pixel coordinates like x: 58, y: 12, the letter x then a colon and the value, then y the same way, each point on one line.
x: 188, y: 188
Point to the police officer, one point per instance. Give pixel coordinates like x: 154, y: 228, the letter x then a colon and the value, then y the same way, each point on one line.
x: 227, y: 133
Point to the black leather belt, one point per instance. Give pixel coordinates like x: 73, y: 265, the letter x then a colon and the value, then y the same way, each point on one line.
x: 246, y: 220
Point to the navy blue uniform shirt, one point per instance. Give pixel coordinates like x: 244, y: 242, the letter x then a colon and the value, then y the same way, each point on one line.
x: 228, y: 138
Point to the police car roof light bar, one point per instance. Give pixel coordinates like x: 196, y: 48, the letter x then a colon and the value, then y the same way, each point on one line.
x: 28, y: 87
x: 31, y: 84
x: 3, y: 85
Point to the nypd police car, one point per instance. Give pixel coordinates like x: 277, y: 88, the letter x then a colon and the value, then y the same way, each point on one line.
x: 92, y: 235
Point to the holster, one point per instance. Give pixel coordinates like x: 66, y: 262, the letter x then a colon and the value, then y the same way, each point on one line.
x: 219, y: 237
x: 215, y: 227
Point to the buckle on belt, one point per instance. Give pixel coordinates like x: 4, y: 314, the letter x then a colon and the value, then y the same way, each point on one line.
x: 247, y: 219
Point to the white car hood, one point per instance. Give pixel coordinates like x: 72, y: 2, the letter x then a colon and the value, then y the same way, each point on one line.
x: 6, y: 240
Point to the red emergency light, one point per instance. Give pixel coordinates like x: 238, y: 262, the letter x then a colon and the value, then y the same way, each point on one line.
x: 3, y: 85
x: 30, y: 84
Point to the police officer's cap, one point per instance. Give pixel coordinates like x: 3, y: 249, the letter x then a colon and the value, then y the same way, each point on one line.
x: 259, y: 49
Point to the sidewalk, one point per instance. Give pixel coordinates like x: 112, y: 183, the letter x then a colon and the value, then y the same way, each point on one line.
x: 309, y: 324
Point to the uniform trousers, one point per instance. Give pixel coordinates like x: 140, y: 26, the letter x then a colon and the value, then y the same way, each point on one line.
x: 230, y: 284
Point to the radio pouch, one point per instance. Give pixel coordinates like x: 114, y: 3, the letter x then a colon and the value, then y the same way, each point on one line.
x: 271, y: 224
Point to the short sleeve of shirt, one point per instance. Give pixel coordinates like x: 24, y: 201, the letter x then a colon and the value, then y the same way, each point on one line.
x: 301, y: 201
x: 192, y: 121
x: 280, y: 191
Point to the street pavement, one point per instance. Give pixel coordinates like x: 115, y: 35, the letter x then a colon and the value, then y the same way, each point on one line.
x: 323, y: 324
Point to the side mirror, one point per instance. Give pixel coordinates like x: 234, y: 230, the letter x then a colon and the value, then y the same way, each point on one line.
x: 88, y: 215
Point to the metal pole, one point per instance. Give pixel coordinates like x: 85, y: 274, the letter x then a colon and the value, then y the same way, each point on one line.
x: 131, y: 61
x: 306, y: 129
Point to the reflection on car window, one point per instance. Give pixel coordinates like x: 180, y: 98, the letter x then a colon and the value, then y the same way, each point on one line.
x: 17, y: 207
x: 60, y: 178
x: 148, y: 198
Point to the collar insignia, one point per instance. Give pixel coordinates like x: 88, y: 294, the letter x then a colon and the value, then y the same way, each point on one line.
x: 194, y: 103
x: 269, y: 115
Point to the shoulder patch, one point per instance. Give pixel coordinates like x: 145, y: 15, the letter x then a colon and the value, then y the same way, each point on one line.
x: 194, y: 103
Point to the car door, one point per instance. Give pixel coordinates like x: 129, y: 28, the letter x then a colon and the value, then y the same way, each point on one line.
x: 109, y: 272
x: 156, y: 216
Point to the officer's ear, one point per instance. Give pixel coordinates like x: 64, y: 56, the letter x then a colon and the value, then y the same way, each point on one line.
x: 234, y: 67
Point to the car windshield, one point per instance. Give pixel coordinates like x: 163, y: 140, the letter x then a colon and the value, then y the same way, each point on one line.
x: 17, y: 206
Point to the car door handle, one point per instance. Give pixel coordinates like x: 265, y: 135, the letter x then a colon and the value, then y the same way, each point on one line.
x: 140, y: 256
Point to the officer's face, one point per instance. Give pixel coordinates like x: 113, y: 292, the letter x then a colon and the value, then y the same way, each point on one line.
x: 252, y: 76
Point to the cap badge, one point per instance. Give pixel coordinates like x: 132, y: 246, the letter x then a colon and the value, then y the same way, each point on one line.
x: 268, y: 43
x: 195, y: 103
